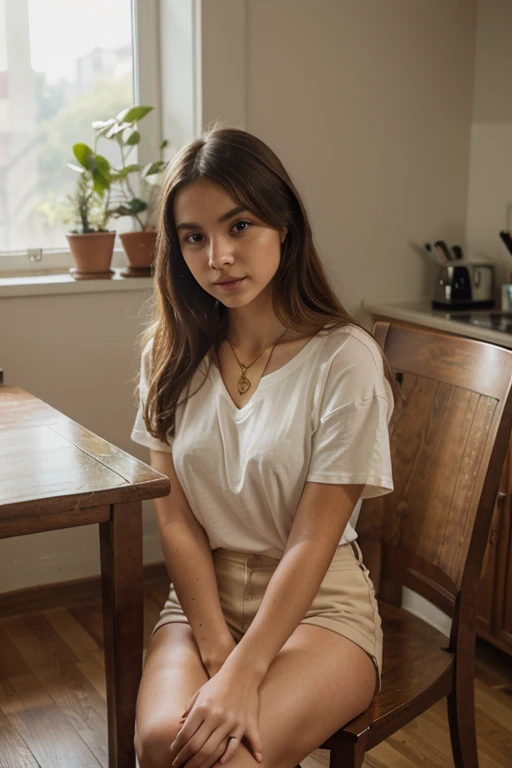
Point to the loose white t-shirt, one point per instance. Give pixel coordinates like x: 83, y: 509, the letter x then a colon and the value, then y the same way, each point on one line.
x: 322, y: 417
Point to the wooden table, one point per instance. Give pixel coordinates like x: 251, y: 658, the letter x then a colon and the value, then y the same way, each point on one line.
x: 54, y: 474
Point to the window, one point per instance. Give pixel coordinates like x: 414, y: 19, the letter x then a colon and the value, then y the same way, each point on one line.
x: 63, y: 65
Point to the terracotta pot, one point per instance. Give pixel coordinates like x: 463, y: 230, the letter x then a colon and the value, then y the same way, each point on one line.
x: 92, y: 254
x: 139, y: 247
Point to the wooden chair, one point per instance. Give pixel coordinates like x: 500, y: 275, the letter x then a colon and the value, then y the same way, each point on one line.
x: 449, y: 435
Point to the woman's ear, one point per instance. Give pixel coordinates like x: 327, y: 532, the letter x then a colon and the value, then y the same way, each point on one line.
x: 284, y: 232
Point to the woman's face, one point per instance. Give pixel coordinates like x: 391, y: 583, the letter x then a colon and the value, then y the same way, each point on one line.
x: 220, y: 240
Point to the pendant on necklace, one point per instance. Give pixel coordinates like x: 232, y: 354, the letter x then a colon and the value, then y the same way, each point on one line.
x: 243, y: 381
x: 243, y: 384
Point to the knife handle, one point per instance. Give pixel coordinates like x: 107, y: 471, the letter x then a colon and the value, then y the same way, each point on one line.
x: 443, y: 251
x: 434, y: 255
x: 505, y: 236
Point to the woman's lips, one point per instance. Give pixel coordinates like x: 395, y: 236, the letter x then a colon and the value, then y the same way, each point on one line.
x: 230, y: 286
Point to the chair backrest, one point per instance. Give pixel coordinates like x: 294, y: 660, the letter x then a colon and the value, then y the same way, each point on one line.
x: 449, y: 435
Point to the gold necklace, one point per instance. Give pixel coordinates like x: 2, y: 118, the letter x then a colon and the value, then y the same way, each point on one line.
x: 243, y: 382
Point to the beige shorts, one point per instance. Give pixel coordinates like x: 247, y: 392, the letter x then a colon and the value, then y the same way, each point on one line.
x: 345, y: 602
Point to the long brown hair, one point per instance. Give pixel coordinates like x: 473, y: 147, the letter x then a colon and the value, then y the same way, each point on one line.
x: 186, y: 323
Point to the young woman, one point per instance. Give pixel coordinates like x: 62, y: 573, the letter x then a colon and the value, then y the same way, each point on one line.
x: 267, y: 406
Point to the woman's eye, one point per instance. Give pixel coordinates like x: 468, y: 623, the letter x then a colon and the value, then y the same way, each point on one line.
x: 188, y: 238
x: 242, y: 222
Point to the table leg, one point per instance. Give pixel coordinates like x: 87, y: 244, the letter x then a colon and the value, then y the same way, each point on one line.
x: 122, y: 591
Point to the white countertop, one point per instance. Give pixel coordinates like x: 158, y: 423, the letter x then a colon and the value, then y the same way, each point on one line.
x: 420, y: 311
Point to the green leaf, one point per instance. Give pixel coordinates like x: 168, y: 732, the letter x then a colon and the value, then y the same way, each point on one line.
x: 117, y: 174
x: 137, y: 205
x: 131, y: 208
x: 133, y: 138
x: 132, y: 114
x: 153, y: 168
x: 84, y: 155
x: 98, y: 184
x: 99, y: 180
x: 164, y: 144
x: 121, y: 210
x: 103, y: 164
x: 101, y: 174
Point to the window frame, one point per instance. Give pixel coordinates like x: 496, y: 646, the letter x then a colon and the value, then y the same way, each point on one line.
x: 147, y: 90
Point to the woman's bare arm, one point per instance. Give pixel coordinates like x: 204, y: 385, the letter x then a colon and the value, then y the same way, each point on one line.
x: 323, y: 513
x: 189, y: 561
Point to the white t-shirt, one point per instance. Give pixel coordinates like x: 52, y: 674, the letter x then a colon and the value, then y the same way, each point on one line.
x: 322, y: 417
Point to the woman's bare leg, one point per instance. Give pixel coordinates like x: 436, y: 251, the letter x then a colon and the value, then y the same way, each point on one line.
x: 172, y: 673
x: 318, y: 682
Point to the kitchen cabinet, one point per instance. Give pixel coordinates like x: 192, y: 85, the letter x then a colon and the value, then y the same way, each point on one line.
x: 494, y: 612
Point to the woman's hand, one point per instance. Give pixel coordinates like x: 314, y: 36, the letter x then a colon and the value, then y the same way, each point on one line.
x: 227, y: 706
x: 220, y: 751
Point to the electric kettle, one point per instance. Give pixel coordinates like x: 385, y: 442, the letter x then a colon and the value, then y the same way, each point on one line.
x: 464, y: 285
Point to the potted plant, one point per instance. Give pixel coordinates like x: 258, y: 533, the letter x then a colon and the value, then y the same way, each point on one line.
x: 91, y: 243
x: 136, y: 187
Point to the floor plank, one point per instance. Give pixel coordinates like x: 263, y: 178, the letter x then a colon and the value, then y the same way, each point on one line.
x: 84, y: 708
x: 12, y: 663
x: 494, y: 702
x: 43, y: 727
x: 70, y: 631
x: 488, y: 747
x: 15, y: 753
x: 384, y: 756
x: 36, y: 640
x: 93, y: 669
x: 90, y: 616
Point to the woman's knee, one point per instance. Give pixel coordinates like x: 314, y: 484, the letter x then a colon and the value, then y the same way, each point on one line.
x: 153, y: 743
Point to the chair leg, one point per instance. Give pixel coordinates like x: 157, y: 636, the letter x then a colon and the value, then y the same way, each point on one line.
x: 348, y: 756
x: 461, y: 719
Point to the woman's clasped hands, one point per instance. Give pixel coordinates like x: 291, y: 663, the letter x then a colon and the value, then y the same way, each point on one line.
x: 218, y: 716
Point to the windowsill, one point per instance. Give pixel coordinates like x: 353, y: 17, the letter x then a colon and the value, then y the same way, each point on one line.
x: 51, y: 282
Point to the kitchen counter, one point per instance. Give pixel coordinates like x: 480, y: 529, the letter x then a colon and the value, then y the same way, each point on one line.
x: 420, y: 312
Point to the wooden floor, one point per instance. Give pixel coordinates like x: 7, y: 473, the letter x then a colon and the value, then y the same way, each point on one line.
x: 53, y: 710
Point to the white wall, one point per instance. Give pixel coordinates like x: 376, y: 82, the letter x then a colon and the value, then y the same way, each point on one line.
x: 369, y: 106
x: 490, y: 183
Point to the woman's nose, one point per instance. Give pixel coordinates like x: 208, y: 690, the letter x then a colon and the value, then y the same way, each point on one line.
x: 220, y: 253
